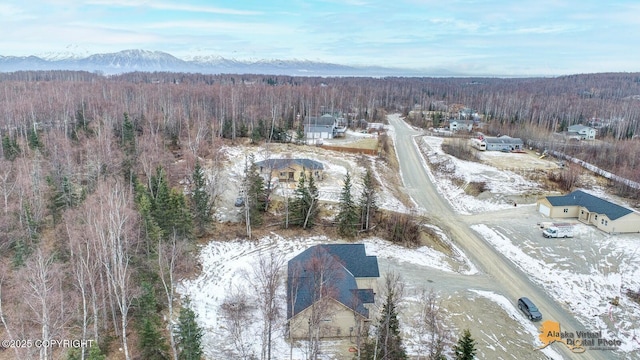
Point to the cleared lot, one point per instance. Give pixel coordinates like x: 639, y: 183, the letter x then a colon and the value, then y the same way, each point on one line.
x: 584, y: 274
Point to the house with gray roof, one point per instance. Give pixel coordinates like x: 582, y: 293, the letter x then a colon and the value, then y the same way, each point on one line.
x: 460, y: 125
x: 502, y: 143
x: 581, y: 132
x: 290, y: 169
x: 590, y: 209
x: 334, y: 282
x: 320, y: 127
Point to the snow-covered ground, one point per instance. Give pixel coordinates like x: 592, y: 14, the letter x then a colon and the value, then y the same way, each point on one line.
x: 606, y: 266
x: 585, y: 272
x: 500, y: 183
x: 336, y: 165
x: 227, y: 268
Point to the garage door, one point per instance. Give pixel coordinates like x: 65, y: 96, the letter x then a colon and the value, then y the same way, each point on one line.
x: 545, y: 210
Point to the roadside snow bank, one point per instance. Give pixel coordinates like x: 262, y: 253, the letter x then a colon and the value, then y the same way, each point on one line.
x: 587, y: 293
x: 500, y: 183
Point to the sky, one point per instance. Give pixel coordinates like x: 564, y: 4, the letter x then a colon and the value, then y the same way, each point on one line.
x: 479, y: 37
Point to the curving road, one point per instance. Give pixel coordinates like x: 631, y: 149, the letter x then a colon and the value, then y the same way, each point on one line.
x: 511, y: 282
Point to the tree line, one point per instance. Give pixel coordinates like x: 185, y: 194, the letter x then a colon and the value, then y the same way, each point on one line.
x: 104, y: 193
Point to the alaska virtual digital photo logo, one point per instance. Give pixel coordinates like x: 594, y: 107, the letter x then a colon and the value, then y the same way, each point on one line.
x: 576, y: 341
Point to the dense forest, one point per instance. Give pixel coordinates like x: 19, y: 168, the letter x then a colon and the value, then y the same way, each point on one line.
x: 99, y: 175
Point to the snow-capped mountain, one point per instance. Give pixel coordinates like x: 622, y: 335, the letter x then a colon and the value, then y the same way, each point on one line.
x: 143, y: 60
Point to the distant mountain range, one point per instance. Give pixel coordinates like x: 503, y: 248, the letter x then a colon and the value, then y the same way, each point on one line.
x: 150, y: 61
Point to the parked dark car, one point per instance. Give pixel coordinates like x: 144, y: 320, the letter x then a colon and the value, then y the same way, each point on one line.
x: 528, y: 308
x: 239, y: 201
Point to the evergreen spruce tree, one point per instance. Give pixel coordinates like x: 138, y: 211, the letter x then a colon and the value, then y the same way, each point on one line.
x: 169, y: 207
x: 161, y: 205
x: 201, y: 201
x: 465, y: 349
x: 34, y: 139
x: 189, y: 334
x: 152, y: 344
x: 300, y: 134
x: 93, y: 353
x: 10, y: 148
x: 144, y: 203
x: 312, y: 202
x: 128, y: 146
x: 128, y: 136
x: 297, y: 209
x: 256, y: 193
x: 180, y: 216
x: 304, y: 207
x: 347, y: 217
x: 388, y: 344
x: 368, y: 206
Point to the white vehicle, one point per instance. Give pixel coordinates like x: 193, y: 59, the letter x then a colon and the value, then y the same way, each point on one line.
x: 558, y: 232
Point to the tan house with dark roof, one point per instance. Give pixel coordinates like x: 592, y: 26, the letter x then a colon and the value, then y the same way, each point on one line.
x: 290, y: 169
x: 589, y: 209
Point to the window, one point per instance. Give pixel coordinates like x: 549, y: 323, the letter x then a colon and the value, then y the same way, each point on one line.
x: 596, y: 217
x: 566, y: 210
x: 283, y: 174
x: 606, y: 223
x: 601, y: 221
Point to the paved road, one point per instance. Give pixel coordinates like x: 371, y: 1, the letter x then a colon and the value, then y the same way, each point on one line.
x: 509, y: 280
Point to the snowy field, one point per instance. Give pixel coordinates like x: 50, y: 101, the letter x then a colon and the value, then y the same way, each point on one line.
x: 336, y: 165
x: 500, y: 183
x: 227, y: 268
x: 584, y: 273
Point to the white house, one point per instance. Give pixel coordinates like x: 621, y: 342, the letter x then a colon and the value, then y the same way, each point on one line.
x: 323, y: 127
x: 458, y: 125
x: 582, y: 132
x: 503, y: 143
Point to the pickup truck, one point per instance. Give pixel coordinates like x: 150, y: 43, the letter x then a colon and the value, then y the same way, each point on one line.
x: 558, y: 232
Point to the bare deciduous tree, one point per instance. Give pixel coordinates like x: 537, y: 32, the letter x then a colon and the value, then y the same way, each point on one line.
x: 434, y: 337
x: 168, y: 258
x: 42, y: 285
x: 237, y: 315
x: 322, y: 274
x: 266, y: 280
x: 114, y: 228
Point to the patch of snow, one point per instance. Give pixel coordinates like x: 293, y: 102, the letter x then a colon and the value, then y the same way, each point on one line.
x: 500, y: 183
x: 226, y: 267
x: 508, y: 307
x: 587, y: 290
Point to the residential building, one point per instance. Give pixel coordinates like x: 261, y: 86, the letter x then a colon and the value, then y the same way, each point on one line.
x: 461, y: 125
x: 502, y: 143
x: 290, y: 169
x: 322, y: 127
x: 590, y: 209
x: 582, y: 132
x: 336, y: 282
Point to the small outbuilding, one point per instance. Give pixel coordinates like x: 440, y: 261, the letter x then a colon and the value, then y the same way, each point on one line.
x: 590, y: 209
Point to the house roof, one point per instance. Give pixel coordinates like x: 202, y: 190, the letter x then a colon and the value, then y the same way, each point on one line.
x: 502, y: 140
x: 279, y: 164
x: 577, y: 128
x: 340, y: 265
x: 325, y: 119
x: 592, y: 203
